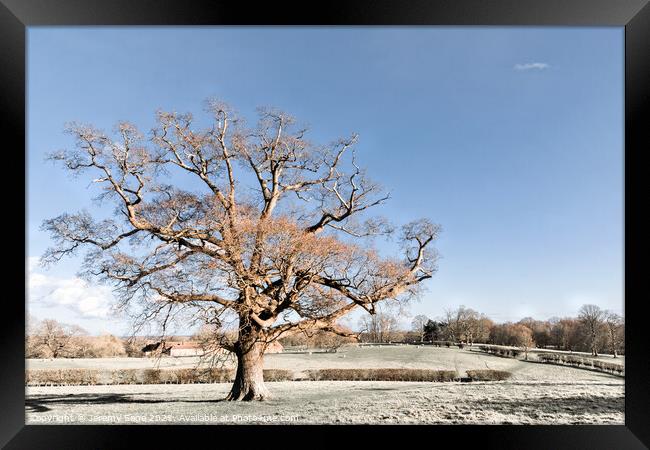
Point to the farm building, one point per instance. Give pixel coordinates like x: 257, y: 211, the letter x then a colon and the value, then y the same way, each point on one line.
x: 185, y: 349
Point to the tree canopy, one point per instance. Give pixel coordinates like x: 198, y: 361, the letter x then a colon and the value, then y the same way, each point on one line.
x: 256, y: 222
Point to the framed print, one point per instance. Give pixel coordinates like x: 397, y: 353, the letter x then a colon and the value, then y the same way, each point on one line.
x: 246, y: 219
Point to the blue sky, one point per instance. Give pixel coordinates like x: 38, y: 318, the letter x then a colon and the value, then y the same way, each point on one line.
x: 510, y: 138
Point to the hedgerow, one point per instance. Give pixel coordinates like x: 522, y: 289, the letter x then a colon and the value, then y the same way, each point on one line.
x: 500, y: 351
x: 382, y: 375
x: 581, y: 362
x: 488, y: 375
x: 62, y: 377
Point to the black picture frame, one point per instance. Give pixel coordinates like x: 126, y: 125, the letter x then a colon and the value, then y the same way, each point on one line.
x: 634, y: 15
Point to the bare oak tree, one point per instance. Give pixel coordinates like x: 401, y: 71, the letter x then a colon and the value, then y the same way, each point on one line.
x: 591, y: 318
x: 614, y: 327
x: 274, y: 229
x: 522, y: 337
x: 380, y: 326
x: 56, y: 339
x: 418, y: 323
x: 462, y: 324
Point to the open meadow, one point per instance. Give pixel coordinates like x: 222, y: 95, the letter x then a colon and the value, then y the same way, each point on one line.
x: 535, y: 394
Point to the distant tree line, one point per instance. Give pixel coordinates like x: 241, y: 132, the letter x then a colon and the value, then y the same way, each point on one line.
x: 319, y: 339
x: 594, y: 330
x: 49, y: 338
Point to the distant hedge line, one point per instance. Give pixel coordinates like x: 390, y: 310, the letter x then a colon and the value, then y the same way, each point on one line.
x: 581, y: 362
x: 488, y: 375
x: 56, y: 377
x: 500, y: 351
x: 382, y: 375
x: 75, y: 377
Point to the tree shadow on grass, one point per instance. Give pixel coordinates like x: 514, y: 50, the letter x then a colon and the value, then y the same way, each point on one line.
x: 570, y: 405
x: 376, y: 389
x: 42, y: 403
x: 536, y: 383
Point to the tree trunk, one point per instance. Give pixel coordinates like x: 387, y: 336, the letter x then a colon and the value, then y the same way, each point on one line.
x: 613, y: 345
x: 249, y: 379
x: 594, y: 349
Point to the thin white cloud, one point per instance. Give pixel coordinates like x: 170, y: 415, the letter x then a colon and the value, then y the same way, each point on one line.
x: 32, y: 262
x: 72, y: 293
x: 532, y: 66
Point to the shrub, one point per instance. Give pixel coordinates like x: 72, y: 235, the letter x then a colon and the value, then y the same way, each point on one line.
x: 581, y: 362
x: 221, y: 375
x: 79, y: 376
x: 488, y: 375
x: 278, y: 375
x: 500, y: 351
x: 461, y: 345
x: 124, y: 376
x: 210, y: 375
x: 61, y: 377
x: 178, y: 376
x: 151, y: 376
x: 191, y: 376
x: 163, y: 376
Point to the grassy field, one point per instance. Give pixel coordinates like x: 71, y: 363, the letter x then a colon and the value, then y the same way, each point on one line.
x: 536, y: 393
x: 408, y: 356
